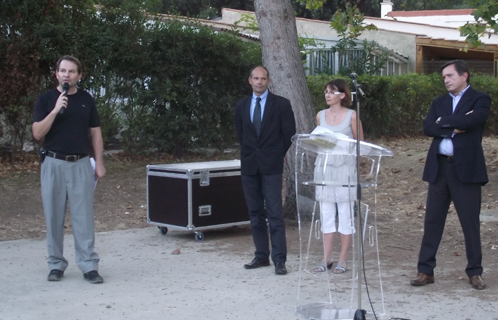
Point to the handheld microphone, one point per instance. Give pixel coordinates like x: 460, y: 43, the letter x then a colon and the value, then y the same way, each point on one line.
x: 65, y: 89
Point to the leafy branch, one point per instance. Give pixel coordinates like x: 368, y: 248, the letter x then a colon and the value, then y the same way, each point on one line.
x: 485, y: 22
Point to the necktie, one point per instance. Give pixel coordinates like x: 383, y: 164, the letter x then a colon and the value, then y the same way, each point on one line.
x: 256, y: 118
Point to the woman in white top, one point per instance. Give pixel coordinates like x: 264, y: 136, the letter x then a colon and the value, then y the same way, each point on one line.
x: 337, y: 200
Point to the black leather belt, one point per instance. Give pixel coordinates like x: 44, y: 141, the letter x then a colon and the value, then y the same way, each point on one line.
x: 447, y: 158
x: 68, y: 158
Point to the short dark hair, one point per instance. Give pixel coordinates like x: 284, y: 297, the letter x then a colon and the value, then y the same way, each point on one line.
x: 267, y: 72
x: 69, y: 58
x: 341, y: 86
x: 460, y: 67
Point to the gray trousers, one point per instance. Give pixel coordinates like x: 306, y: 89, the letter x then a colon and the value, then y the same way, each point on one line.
x: 74, y: 181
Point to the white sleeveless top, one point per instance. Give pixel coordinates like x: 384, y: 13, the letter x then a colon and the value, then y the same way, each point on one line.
x: 336, y: 168
x: 344, y: 127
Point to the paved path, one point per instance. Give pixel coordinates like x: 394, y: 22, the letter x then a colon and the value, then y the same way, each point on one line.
x: 143, y: 280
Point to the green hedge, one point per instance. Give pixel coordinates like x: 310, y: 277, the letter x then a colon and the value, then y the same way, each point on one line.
x: 165, y: 86
x: 396, y: 106
x: 177, y: 86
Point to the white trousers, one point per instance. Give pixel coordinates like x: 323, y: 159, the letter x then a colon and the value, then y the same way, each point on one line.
x: 343, y: 210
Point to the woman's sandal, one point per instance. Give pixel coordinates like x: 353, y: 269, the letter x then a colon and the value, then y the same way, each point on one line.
x: 322, y: 267
x: 340, y: 268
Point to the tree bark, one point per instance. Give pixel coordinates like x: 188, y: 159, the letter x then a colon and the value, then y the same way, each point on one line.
x: 282, y: 58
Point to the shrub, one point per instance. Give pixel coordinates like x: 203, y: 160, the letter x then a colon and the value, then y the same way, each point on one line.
x: 190, y: 80
x: 166, y: 86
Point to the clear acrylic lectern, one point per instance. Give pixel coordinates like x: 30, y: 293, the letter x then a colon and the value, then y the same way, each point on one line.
x: 326, y: 171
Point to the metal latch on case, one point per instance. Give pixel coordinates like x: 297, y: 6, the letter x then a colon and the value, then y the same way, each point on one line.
x: 204, y: 181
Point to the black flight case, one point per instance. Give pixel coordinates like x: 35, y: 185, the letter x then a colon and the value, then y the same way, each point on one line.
x: 195, y: 196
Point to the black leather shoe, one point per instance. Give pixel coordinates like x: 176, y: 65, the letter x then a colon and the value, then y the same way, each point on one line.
x: 280, y: 268
x: 257, y: 263
x: 93, y: 277
x: 477, y: 282
x: 421, y: 280
x: 55, y: 275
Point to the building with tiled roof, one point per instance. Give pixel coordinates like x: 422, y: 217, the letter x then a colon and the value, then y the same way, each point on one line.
x: 420, y: 41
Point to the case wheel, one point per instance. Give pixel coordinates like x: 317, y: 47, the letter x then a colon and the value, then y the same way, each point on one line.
x: 163, y: 230
x: 199, y: 236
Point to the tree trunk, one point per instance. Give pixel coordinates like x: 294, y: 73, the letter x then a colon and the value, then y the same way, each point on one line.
x: 282, y: 58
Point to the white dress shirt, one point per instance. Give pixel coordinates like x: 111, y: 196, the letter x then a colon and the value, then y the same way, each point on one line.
x: 446, y: 145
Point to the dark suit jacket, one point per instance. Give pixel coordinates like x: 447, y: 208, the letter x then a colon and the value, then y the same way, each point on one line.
x: 267, y: 151
x: 468, y: 154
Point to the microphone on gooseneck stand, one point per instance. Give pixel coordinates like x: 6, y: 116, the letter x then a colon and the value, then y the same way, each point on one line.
x: 353, y: 77
x: 65, y: 88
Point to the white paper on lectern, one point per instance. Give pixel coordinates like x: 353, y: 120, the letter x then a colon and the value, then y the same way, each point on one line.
x: 92, y: 162
x: 323, y: 130
x: 341, y: 147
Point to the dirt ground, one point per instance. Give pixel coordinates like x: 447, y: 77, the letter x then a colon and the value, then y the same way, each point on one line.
x: 121, y: 198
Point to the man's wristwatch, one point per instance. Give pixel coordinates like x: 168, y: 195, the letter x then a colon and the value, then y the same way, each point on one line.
x: 438, y: 119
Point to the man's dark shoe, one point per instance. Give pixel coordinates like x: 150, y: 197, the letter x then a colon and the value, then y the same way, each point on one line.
x: 93, y: 277
x: 257, y: 263
x: 421, y: 280
x: 55, y: 275
x: 477, y: 282
x: 280, y: 268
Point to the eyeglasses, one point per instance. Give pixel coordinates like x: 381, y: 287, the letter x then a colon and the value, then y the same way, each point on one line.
x: 332, y: 92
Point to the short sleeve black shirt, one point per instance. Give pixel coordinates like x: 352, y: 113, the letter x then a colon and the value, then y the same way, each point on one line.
x: 69, y: 133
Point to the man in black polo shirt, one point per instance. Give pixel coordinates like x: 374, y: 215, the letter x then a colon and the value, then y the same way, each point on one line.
x: 66, y: 120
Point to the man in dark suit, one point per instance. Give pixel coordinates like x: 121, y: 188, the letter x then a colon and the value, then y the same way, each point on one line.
x: 265, y: 124
x: 455, y: 170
